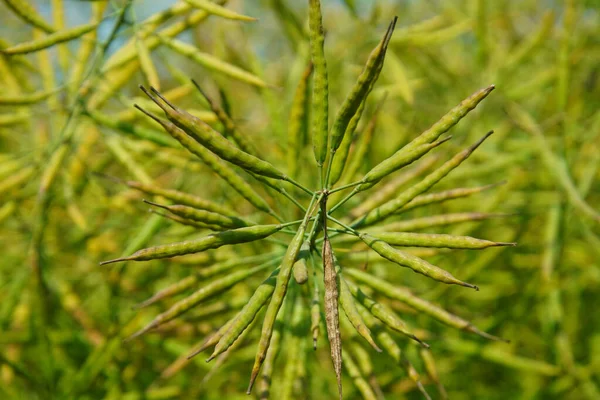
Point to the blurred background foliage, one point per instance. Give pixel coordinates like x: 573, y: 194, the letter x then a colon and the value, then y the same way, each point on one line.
x: 63, y: 318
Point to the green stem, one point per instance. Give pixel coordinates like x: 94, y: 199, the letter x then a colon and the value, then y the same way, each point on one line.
x: 345, y: 187
x: 344, y: 200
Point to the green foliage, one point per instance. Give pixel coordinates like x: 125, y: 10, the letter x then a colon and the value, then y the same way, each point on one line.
x: 288, y: 183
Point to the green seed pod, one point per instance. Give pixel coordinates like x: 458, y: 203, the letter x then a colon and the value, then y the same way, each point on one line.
x: 212, y: 289
x: 211, y: 62
x: 341, y: 155
x: 297, y: 122
x: 382, y: 313
x: 202, y: 216
x: 171, y: 290
x: 450, y: 119
x: 434, y: 198
x: 390, y: 189
x: 436, y: 240
x: 182, y: 198
x: 300, y: 269
x: 219, y: 11
x: 426, y: 183
x: 273, y: 352
x: 146, y: 64
x: 131, y: 128
x: 27, y: 13
x: 247, y: 314
x: 214, y: 141
x: 320, y: 95
x: 435, y: 221
x: 25, y: 99
x: 16, y: 179
x: 331, y: 309
x: 357, y: 157
x: 293, y: 346
x: 212, y: 241
x: 415, y: 263
x: 405, y: 296
x: 432, y: 372
x: 188, y: 222
x: 236, y: 182
x: 283, y: 278
x: 396, y: 161
x: 211, y: 339
x: 50, y: 40
x: 361, y: 88
x: 358, y: 379
x: 347, y: 303
x: 230, y: 128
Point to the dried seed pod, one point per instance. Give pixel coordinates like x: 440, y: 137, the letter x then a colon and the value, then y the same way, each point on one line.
x: 212, y: 241
x: 320, y: 95
x: 392, y: 206
x: 50, y: 40
x: 415, y: 263
x: 214, y: 288
x: 405, y: 296
x: 315, y: 308
x: 218, y: 10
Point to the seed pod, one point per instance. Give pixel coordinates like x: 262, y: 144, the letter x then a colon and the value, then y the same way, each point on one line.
x: 188, y: 222
x: 415, y: 263
x: 341, y: 155
x: 146, y: 64
x: 432, y: 372
x: 214, y: 141
x: 214, y: 288
x: 315, y: 308
x: 236, y: 182
x: 171, y: 290
x: 281, y: 286
x: 382, y: 313
x: 182, y: 198
x: 436, y: 240
x: 297, y: 123
x: 435, y: 221
x: 131, y: 128
x: 212, y: 241
x: 50, y: 40
x: 246, y: 315
x: 211, y: 339
x: 346, y: 301
x: 230, y: 127
x: 27, y: 13
x: 25, y: 99
x: 361, y: 88
x: 331, y: 311
x: 211, y: 62
x: 300, y: 269
x: 392, y: 206
x: 405, y: 296
x: 203, y: 216
x: 219, y: 11
x: 439, y: 197
x: 16, y: 179
x: 392, y: 349
x: 273, y: 352
x: 320, y: 95
x: 293, y: 346
x: 395, y: 162
x: 390, y: 189
x: 361, y: 147
x: 358, y: 379
x: 450, y: 119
